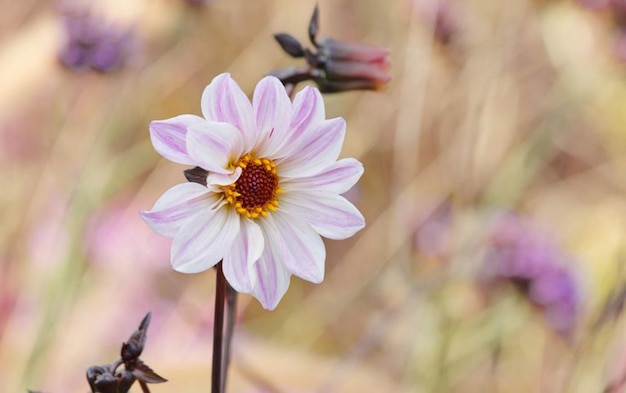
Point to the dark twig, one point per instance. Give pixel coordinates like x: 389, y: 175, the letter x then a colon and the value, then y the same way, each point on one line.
x: 218, y: 331
x: 231, y: 316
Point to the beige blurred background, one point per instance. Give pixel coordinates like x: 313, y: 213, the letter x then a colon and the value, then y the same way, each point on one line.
x: 524, y: 107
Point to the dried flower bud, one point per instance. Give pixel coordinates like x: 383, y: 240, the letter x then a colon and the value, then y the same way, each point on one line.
x: 331, y: 48
x: 106, y: 379
x: 353, y: 70
x: 133, y: 348
x: 337, y: 86
x: 92, y: 374
x: 127, y: 379
x: 336, y: 65
x: 106, y: 383
x: 290, y: 44
x: 144, y: 373
x: 314, y: 25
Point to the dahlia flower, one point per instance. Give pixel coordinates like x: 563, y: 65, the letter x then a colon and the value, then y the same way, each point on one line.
x: 272, y: 187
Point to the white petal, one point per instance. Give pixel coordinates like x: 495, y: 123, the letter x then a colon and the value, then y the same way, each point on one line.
x: 214, y: 180
x: 307, y: 113
x: 318, y: 149
x: 246, y: 249
x: 177, y: 205
x: 213, y: 146
x: 272, y: 278
x: 272, y: 109
x: 337, y: 178
x: 224, y: 101
x: 297, y: 245
x: 308, y: 108
x: 331, y: 215
x: 168, y: 137
x: 202, y: 241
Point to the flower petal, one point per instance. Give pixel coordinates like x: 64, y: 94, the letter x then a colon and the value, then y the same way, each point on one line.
x: 214, y: 145
x: 176, y: 206
x: 168, y: 137
x: 224, y: 101
x: 331, y: 215
x: 317, y: 149
x: 215, y: 180
x: 296, y: 245
x: 246, y: 249
x: 272, y: 278
x: 337, y: 178
x: 306, y: 114
x: 272, y: 109
x: 202, y: 241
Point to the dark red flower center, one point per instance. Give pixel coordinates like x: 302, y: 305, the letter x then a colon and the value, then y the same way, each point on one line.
x: 256, y: 191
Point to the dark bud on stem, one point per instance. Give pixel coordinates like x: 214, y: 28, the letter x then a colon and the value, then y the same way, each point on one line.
x: 108, y: 379
x: 312, y: 59
x: 126, y: 379
x: 92, y: 375
x: 290, y: 45
x: 133, y: 348
x: 144, y: 373
x: 107, y: 383
x: 334, y: 65
x: 314, y: 25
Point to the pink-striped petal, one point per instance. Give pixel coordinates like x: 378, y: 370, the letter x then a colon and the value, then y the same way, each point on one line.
x: 168, y: 137
x: 216, y: 180
x: 296, y: 245
x: 339, y: 177
x: 213, y: 146
x: 238, y: 261
x: 331, y: 215
x: 176, y: 206
x: 272, y: 109
x: 202, y: 241
x: 272, y: 278
x: 317, y: 150
x: 307, y: 114
x: 224, y: 101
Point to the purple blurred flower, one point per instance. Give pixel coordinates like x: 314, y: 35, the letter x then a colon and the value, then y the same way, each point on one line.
x: 116, y: 236
x: 595, y: 4
x: 521, y: 255
x: 266, y: 186
x: 90, y: 42
x: 619, y: 45
x: 441, y: 16
x: 432, y: 236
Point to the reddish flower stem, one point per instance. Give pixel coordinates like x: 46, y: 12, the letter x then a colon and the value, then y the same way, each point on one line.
x: 231, y: 313
x: 218, y: 330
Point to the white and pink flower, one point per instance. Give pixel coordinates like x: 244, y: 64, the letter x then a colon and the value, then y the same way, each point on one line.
x: 272, y: 188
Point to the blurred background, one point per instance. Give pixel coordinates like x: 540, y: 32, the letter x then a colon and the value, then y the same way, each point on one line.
x: 495, y: 172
